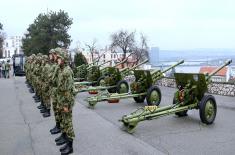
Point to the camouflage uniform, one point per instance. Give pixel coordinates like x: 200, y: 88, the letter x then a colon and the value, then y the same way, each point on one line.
x: 66, y: 98
x: 45, y: 86
x: 37, y: 74
x: 28, y: 70
x: 53, y: 76
x: 66, y: 103
x: 7, y: 69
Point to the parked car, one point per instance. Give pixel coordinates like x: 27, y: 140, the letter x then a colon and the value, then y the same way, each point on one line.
x: 18, y: 64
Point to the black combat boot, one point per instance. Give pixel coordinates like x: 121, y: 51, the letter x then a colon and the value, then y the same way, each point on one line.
x: 31, y: 90
x: 62, y: 139
x: 56, y: 129
x: 47, y: 113
x: 69, y: 148
x: 63, y: 147
x: 44, y: 110
x: 37, y: 97
x: 41, y: 106
x: 37, y: 100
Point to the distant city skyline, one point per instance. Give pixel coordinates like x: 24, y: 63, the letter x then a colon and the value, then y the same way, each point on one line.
x: 181, y: 24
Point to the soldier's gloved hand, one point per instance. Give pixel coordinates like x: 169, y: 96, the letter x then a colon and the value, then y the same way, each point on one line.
x: 66, y: 109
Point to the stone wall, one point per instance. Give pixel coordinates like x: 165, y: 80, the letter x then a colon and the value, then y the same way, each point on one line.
x: 219, y: 88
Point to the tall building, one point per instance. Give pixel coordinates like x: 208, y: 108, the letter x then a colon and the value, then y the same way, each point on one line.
x: 154, y: 55
x: 12, y: 45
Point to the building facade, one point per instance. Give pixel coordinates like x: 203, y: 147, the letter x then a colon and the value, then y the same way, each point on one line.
x: 12, y: 45
x: 106, y: 55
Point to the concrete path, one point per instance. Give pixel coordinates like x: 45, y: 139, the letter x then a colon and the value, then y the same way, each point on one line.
x: 23, y: 130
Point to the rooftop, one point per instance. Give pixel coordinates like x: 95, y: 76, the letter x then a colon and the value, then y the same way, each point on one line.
x: 207, y: 69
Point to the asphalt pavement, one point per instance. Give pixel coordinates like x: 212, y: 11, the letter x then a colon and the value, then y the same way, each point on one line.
x: 23, y: 130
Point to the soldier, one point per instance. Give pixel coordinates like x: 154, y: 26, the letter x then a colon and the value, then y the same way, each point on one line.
x: 53, y: 88
x: 65, y: 103
x: 7, y: 69
x: 30, y: 72
x: 37, y: 74
x: 46, y: 106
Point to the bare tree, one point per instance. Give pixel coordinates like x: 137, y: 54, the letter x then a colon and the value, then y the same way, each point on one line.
x: 92, y: 48
x: 2, y: 38
x: 140, y: 52
x: 126, y: 42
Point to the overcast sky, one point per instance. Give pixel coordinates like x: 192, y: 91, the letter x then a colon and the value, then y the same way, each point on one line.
x: 168, y: 24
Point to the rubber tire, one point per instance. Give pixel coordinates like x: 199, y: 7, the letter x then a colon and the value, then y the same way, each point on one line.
x: 140, y: 99
x: 112, y: 90
x: 119, y: 86
x: 202, y: 106
x: 182, y: 113
x: 99, y: 79
x: 150, y: 90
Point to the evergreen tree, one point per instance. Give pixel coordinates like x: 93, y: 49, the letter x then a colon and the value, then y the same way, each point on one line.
x: 79, y: 59
x: 48, y: 31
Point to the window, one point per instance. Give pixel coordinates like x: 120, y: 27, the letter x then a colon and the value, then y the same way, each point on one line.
x: 8, y: 53
x: 6, y: 44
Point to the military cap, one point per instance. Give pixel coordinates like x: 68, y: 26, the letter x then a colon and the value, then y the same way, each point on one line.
x: 64, y: 56
x: 58, y: 50
x: 52, y: 51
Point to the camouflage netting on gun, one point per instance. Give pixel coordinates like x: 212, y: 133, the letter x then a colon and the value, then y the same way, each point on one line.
x: 93, y: 73
x: 112, y: 76
x: 81, y: 72
x: 143, y: 81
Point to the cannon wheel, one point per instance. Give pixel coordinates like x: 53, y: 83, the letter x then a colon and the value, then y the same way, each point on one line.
x: 122, y: 87
x: 207, y: 109
x: 112, y: 90
x: 182, y: 113
x: 139, y: 99
x: 153, y: 96
x: 101, y: 81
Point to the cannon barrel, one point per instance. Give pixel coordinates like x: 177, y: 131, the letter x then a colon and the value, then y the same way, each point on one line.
x: 82, y: 66
x: 127, y: 69
x: 123, y: 61
x: 178, y: 63
x: 156, y: 74
x: 91, y: 64
x: 96, y: 59
x: 229, y: 61
x: 143, y: 62
x: 100, y: 64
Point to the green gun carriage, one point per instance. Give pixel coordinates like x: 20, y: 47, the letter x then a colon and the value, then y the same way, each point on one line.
x: 143, y: 87
x: 82, y: 70
x: 189, y: 95
x: 111, y: 80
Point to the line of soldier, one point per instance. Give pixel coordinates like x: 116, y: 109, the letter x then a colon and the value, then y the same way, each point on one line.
x: 51, y: 79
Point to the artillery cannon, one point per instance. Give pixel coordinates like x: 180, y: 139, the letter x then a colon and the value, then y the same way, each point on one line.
x: 143, y: 87
x: 95, y: 77
x: 82, y: 70
x: 190, y: 95
x: 114, y: 76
